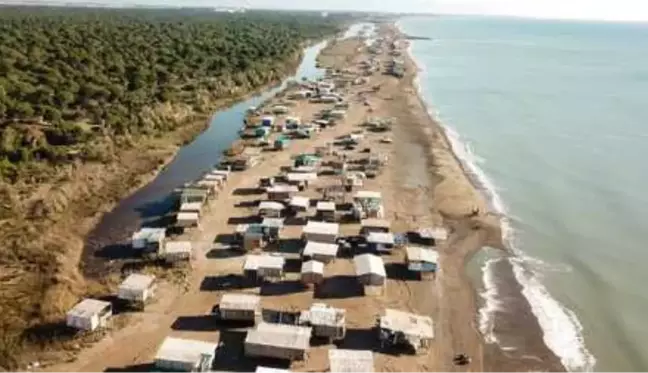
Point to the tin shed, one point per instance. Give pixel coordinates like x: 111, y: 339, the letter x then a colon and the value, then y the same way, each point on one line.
x: 279, y: 341
x: 399, y: 327
x: 271, y: 209
x: 321, y: 231
x: 89, y: 314
x: 148, y: 239
x: 320, y: 251
x: 326, y: 321
x: 185, y: 355
x: 370, y: 269
x: 420, y: 259
x: 137, y: 289
x: 264, y: 266
x: 175, y: 251
x: 312, y: 272
x: 350, y: 361
x: 244, y: 307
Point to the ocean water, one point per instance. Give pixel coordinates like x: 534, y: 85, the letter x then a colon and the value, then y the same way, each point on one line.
x: 551, y: 117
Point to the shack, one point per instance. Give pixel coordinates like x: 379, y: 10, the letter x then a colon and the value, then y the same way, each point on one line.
x: 320, y: 251
x: 281, y: 143
x: 422, y: 260
x: 326, y: 321
x: 312, y: 272
x: 224, y: 173
x: 187, y: 219
x: 368, y: 204
x: 191, y: 207
x: 267, y: 121
x: 264, y: 266
x: 380, y: 241
x: 89, y: 315
x: 260, y: 369
x: 189, y: 195
x: 239, y: 307
x: 301, y: 179
x: 326, y: 211
x: 337, y: 114
x: 279, y: 341
x: 148, y: 239
x: 350, y: 361
x: 431, y: 236
x: 299, y: 204
x: 370, y: 270
x: 307, y: 160
x: 252, y: 236
x: 271, y: 209
x: 137, y: 289
x: 185, y: 355
x: 374, y: 225
x: 176, y: 251
x: 398, y: 328
x: 320, y: 232
x: 281, y: 192
x: 280, y: 109
x: 272, y: 228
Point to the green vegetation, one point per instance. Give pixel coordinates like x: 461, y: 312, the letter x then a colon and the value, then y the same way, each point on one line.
x: 87, y: 97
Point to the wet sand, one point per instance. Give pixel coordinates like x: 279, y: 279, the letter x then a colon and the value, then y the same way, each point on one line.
x: 423, y: 184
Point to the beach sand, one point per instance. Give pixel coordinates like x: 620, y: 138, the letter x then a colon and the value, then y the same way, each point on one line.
x: 423, y: 184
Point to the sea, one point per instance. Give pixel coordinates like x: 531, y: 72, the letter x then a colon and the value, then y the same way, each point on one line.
x: 550, y: 118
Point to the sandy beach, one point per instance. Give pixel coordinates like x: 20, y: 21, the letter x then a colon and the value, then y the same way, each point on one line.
x: 422, y: 184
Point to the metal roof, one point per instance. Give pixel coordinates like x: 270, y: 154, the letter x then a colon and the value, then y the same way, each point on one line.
x: 348, y: 361
x: 280, y: 335
x: 137, y: 281
x: 380, y: 238
x: 325, y: 206
x: 438, y: 233
x: 184, y: 350
x: 312, y: 266
x: 191, y: 206
x: 273, y: 222
x: 367, y: 194
x: 319, y: 227
x: 282, y: 188
x: 260, y: 369
x: 271, y: 205
x: 254, y: 262
x: 188, y: 216
x: 300, y: 201
x: 409, y: 324
x: 301, y: 176
x: 369, y: 263
x: 240, y: 302
x: 150, y: 234
x: 320, y: 248
x: 324, y: 315
x: 176, y: 247
x: 88, y: 308
x: 421, y: 254
x: 375, y: 223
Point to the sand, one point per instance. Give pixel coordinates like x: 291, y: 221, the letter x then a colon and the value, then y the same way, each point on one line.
x: 423, y: 184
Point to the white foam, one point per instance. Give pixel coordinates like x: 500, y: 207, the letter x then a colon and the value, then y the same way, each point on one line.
x: 562, y: 331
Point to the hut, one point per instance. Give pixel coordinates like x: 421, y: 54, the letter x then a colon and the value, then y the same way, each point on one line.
x: 279, y: 341
x: 301, y: 179
x: 374, y: 225
x: 191, y: 207
x: 370, y: 269
x: 148, y: 239
x: 380, y: 241
x: 350, y: 361
x: 252, y: 236
x: 187, y: 219
x: 89, y: 315
x: 212, y: 186
x: 326, y: 321
x: 328, y: 99
x: 312, y: 272
x: 176, y: 251
x: 137, y: 289
x: 321, y: 231
x: 404, y: 328
x: 239, y: 307
x: 281, y: 192
x: 307, y: 160
x: 260, y: 369
x: 218, y: 178
x: 267, y: 121
x: 190, y: 195
x: 280, y: 109
x: 271, y: 209
x: 431, y: 236
x: 337, y: 114
x: 299, y: 204
x: 368, y: 204
x: 320, y: 251
x: 185, y: 355
x: 352, y: 180
x: 264, y: 266
x: 422, y: 260
x: 281, y: 143
x: 224, y: 173
x: 272, y: 228
x: 325, y: 211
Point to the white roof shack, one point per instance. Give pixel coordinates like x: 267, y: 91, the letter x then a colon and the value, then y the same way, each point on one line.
x: 176, y: 354
x: 144, y: 236
x: 187, y: 218
x: 325, y: 206
x: 281, y: 336
x: 177, y: 248
x: 301, y: 176
x: 349, y: 361
x: 191, y: 207
x: 380, y: 238
x: 421, y: 254
x: 89, y: 314
x: 283, y: 188
x: 260, y: 369
x: 438, y: 234
x: 220, y: 178
x: 325, y: 315
x: 135, y: 287
x: 223, y: 173
x: 321, y: 228
x: 369, y: 264
x: 410, y: 324
x: 375, y: 223
x: 312, y: 266
x: 299, y: 201
x: 271, y: 205
x: 263, y: 261
x: 240, y: 302
x: 364, y: 194
x: 315, y: 249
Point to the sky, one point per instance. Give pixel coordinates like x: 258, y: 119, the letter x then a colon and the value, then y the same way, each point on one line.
x: 610, y: 10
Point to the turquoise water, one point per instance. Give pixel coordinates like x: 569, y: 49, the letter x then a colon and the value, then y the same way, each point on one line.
x: 555, y: 115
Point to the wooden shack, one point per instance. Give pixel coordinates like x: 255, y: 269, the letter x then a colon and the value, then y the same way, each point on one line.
x: 185, y: 355
x: 350, y: 361
x: 326, y: 211
x: 312, y: 272
x: 370, y: 270
x: 326, y: 321
x: 148, y: 239
x: 279, y: 341
x: 137, y: 289
x: 399, y: 327
x: 89, y: 315
x: 264, y: 266
x: 317, y: 231
x: 239, y: 307
x: 320, y: 251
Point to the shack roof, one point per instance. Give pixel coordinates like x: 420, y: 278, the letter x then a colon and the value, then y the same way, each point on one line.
x: 283, y: 188
x: 150, y: 234
x: 421, y: 254
x: 320, y: 248
x: 375, y: 223
x: 184, y: 350
x: 434, y: 233
x: 260, y: 369
x: 137, y: 282
x: 240, y: 302
x: 362, y: 194
x: 220, y: 172
x: 312, y: 266
x: 301, y: 176
x: 88, y: 308
x: 369, y: 264
x: 280, y: 335
x: 319, y: 227
x: 409, y: 324
x: 254, y: 262
x: 215, y: 177
x: 300, y: 201
x: 323, y: 314
x: 191, y: 206
x: 348, y: 361
x: 273, y: 223
x: 188, y: 216
x: 304, y: 169
x: 325, y: 206
x: 271, y: 205
x: 177, y: 247
x: 380, y: 238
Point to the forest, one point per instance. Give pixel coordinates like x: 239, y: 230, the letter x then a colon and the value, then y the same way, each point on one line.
x: 69, y: 75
